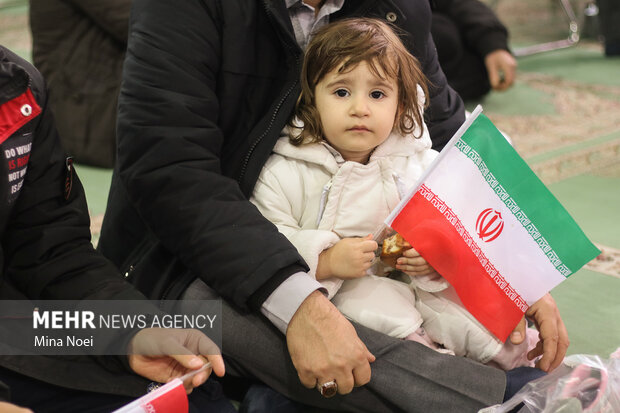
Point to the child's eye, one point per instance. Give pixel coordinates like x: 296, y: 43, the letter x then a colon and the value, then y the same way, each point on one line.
x: 377, y: 94
x: 341, y: 93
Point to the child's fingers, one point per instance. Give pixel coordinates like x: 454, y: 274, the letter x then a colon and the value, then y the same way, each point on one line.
x: 416, y: 268
x: 415, y: 261
x: 416, y: 273
x: 368, y: 257
x: 369, y: 245
x: 411, y: 253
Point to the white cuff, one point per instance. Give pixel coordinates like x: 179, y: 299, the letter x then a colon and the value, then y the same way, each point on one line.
x: 281, y: 305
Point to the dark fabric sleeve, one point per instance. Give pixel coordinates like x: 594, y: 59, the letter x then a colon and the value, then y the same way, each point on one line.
x: 169, y: 147
x: 111, y: 15
x: 5, y: 394
x: 446, y: 111
x: 481, y: 29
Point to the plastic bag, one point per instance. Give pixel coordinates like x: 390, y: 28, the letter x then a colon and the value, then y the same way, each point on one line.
x: 583, y: 383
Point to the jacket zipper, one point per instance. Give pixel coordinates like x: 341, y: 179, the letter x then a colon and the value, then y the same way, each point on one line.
x: 324, y: 195
x: 400, y: 185
x: 246, y: 160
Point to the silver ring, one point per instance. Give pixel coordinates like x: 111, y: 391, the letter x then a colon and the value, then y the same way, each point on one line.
x: 328, y: 389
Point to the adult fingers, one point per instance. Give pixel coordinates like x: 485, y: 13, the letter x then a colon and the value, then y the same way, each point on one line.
x: 362, y: 374
x: 494, y: 76
x: 553, y: 335
x: 501, y: 68
x: 518, y: 334
x: 553, y: 345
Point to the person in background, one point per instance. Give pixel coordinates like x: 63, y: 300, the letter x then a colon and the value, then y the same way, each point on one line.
x: 79, y: 47
x: 609, y: 21
x: 47, y: 255
x: 472, y: 46
x: 207, y: 88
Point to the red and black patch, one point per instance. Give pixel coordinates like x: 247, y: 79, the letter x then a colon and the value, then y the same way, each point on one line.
x: 16, y: 113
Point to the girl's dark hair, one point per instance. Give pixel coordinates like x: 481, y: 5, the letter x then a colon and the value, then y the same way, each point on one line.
x: 344, y: 44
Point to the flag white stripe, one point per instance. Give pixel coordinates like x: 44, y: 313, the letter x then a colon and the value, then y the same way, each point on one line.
x: 458, y: 182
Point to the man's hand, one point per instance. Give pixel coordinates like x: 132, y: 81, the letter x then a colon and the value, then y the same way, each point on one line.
x: 11, y: 408
x: 551, y: 331
x: 349, y: 258
x: 161, y: 354
x: 324, y: 346
x: 412, y: 263
x: 501, y: 67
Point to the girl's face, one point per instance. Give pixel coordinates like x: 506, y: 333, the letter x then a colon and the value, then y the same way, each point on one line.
x: 357, y: 110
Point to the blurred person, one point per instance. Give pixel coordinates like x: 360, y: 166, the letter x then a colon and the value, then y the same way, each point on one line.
x: 47, y: 255
x: 79, y: 47
x: 472, y: 45
x: 609, y: 22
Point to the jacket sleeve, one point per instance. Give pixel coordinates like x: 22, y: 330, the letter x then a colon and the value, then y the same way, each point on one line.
x: 478, y: 24
x: 111, y: 15
x: 47, y: 248
x: 274, y: 200
x: 169, y: 153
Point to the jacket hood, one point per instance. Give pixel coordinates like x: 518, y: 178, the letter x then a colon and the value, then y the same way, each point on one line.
x: 13, y: 79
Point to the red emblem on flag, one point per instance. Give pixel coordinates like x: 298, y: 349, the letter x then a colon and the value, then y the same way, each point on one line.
x: 489, y: 225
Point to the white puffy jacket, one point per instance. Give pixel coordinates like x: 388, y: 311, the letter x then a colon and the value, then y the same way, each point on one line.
x: 315, y: 198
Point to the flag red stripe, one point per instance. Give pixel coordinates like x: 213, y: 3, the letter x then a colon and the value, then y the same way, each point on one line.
x: 437, y: 240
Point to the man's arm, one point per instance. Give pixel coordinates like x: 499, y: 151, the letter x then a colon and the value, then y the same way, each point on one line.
x: 169, y: 154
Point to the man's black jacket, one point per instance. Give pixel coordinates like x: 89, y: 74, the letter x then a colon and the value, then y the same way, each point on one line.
x: 207, y: 87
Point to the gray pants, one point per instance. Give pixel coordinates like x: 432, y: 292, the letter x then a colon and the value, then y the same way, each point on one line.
x: 406, y: 376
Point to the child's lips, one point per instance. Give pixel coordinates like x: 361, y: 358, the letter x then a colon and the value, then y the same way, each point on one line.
x: 359, y: 129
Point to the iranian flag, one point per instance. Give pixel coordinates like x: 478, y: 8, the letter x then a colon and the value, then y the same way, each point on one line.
x: 490, y: 227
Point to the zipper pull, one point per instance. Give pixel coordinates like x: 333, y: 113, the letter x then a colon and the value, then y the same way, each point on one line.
x: 324, y: 194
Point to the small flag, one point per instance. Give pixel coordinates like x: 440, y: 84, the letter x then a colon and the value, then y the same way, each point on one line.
x: 490, y: 227
x: 169, y: 398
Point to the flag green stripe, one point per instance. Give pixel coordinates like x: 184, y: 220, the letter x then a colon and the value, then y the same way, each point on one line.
x: 529, y: 199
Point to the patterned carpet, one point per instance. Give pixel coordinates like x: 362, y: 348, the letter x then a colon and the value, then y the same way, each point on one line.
x: 606, y: 263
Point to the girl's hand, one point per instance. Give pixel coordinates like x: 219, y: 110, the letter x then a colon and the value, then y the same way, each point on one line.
x: 412, y: 264
x: 349, y: 258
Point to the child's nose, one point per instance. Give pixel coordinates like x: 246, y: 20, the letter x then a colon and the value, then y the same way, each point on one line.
x: 359, y: 106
